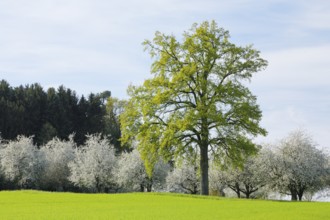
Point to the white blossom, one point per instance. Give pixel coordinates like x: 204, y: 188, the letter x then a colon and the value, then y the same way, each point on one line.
x: 132, y: 174
x: 297, y: 166
x: 22, y: 163
x: 94, y: 165
x: 245, y: 180
x: 58, y: 154
x: 184, y: 178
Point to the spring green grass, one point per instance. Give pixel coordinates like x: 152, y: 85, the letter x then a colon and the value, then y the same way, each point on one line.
x: 46, y: 205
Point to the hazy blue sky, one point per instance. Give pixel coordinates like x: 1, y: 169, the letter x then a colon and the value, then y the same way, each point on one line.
x: 95, y: 45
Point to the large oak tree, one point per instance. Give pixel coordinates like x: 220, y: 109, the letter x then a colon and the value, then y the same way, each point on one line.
x: 197, y: 101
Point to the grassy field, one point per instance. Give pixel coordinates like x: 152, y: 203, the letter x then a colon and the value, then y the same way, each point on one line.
x: 45, y: 205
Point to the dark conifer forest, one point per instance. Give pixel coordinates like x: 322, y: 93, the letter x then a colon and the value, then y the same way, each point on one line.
x: 30, y: 110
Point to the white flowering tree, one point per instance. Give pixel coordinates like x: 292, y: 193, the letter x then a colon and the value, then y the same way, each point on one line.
x: 245, y: 180
x: 297, y: 166
x: 184, y: 178
x: 132, y: 174
x: 94, y: 165
x: 22, y: 162
x: 2, y: 176
x: 217, y: 184
x: 58, y: 154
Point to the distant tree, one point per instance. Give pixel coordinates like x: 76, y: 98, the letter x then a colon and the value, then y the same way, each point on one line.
x: 184, y: 178
x: 247, y: 179
x: 114, y: 108
x: 104, y: 96
x: 34, y: 102
x: 47, y: 133
x: 132, y: 175
x: 297, y: 166
x: 94, y: 165
x: 66, y: 102
x: 196, y: 101
x: 5, y: 89
x: 22, y: 163
x: 11, y: 112
x: 52, y: 113
x: 58, y: 154
x: 11, y: 118
x: 81, y: 123
x: 95, y: 114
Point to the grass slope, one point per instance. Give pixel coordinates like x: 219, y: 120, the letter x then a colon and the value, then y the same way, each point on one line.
x: 46, y: 205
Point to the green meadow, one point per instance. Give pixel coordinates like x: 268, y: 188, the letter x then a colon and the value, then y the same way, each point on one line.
x: 46, y: 205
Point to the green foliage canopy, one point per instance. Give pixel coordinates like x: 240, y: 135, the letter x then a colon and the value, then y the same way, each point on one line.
x: 196, y: 101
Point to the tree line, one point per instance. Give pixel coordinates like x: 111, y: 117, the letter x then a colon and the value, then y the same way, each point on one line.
x: 31, y: 111
x: 293, y: 166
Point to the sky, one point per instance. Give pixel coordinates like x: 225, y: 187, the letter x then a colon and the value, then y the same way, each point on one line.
x: 96, y: 45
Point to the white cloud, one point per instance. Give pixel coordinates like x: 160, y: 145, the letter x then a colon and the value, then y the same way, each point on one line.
x: 279, y: 122
x: 295, y: 92
x: 302, y: 67
x: 315, y: 16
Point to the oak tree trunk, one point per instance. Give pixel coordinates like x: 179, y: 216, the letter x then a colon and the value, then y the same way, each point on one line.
x: 204, y: 163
